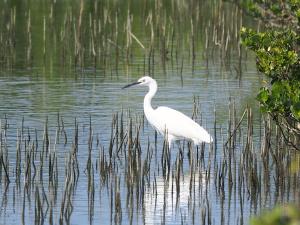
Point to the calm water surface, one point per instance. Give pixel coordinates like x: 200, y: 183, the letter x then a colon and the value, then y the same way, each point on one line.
x: 31, y: 95
x: 34, y: 99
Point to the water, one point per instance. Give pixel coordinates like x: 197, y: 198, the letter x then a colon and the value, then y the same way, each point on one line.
x: 61, y: 87
x: 99, y: 97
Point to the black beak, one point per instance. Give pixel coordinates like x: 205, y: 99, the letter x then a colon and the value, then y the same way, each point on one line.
x: 129, y: 85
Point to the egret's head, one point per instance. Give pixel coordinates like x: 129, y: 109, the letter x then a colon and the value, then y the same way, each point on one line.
x: 143, y: 81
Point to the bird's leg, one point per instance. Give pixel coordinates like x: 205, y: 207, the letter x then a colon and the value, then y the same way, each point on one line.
x: 169, y: 144
x: 190, y: 152
x: 170, y: 138
x: 179, y: 146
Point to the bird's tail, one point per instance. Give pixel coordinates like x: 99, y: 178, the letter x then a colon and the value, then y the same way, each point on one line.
x: 207, y: 138
x: 210, y: 139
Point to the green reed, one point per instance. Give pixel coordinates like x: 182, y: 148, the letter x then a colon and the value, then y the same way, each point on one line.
x: 110, y: 36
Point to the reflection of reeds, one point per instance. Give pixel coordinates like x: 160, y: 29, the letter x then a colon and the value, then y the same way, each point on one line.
x: 107, y: 35
x: 133, y: 169
x: 71, y: 179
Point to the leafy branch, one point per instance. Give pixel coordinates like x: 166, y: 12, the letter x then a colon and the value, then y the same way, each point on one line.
x: 277, y: 50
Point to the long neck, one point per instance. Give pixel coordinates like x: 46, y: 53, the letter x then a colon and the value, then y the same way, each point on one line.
x: 147, y: 100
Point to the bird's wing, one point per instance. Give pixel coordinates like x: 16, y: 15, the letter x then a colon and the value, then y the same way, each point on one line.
x: 180, y: 126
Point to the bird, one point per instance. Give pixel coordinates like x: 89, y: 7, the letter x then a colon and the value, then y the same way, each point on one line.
x: 170, y: 123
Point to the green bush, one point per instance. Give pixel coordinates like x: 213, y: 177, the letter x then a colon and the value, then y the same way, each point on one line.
x: 277, y: 51
x: 280, y: 215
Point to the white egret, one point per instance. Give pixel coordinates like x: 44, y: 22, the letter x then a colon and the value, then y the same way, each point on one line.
x: 170, y: 123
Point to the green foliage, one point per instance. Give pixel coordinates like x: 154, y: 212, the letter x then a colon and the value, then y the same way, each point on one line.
x: 278, y: 59
x: 277, y: 50
x: 271, y: 9
x: 281, y: 98
x: 280, y: 215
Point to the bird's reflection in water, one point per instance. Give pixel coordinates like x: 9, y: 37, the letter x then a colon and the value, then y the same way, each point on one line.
x: 176, y: 200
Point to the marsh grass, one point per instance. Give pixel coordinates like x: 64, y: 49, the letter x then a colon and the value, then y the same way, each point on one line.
x: 134, y: 169
x: 109, y: 36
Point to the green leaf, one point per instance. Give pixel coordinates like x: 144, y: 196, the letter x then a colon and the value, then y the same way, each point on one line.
x: 296, y: 110
x: 277, y: 89
x: 263, y: 95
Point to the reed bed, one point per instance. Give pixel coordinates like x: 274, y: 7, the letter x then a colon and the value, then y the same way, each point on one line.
x: 143, y: 178
x: 109, y: 36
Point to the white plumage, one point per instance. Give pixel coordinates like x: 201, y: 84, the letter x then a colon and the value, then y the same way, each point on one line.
x: 168, y: 121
